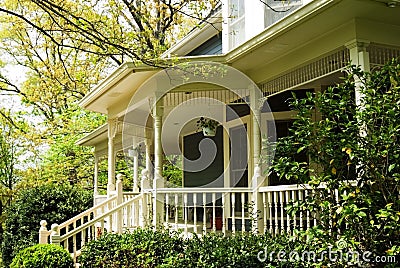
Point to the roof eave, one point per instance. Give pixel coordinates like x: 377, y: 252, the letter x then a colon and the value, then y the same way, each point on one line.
x: 89, y: 137
x: 117, y: 75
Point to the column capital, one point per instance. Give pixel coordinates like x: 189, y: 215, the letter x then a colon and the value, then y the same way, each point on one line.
x: 360, y: 44
x: 112, y: 127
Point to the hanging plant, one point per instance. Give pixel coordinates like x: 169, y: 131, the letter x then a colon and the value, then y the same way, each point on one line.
x: 209, y: 126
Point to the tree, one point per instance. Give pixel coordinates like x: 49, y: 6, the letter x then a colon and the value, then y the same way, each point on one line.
x: 135, y: 30
x: 354, y: 155
x: 66, y: 47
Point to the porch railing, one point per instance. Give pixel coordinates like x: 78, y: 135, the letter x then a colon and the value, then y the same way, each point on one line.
x: 202, y: 210
x: 190, y: 210
x: 275, y: 201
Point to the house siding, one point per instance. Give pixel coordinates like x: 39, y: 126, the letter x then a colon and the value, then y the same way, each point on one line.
x: 212, y: 46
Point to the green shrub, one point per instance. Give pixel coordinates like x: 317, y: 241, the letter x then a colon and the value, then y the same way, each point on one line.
x: 53, y: 203
x: 354, y: 142
x: 149, y: 248
x: 141, y: 248
x: 214, y: 250
x: 43, y: 256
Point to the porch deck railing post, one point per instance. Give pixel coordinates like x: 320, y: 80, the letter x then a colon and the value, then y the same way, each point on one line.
x: 120, y: 200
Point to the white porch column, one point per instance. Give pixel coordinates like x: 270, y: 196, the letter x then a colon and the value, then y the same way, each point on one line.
x: 360, y: 57
x: 112, y: 130
x: 158, y: 181
x: 255, y: 105
x: 96, y: 176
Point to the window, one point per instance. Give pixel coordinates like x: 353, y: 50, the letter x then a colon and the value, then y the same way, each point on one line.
x: 236, y: 23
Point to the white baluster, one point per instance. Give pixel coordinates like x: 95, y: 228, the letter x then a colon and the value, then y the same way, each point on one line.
x: 337, y: 203
x: 271, y: 224
x: 213, y: 213
x: 185, y: 212
x: 195, y: 212
x: 243, y: 220
x: 204, y: 214
x: 287, y: 214
x: 176, y: 212
x: 265, y: 212
x: 308, y: 210
x: 74, y: 247
x: 83, y: 237
x: 137, y: 212
x: 233, y: 213
x: 223, y: 215
x: 167, y: 209
x: 301, y: 211
x: 315, y: 216
x: 330, y: 212
x: 295, y: 214
x: 276, y: 212
x: 281, y: 202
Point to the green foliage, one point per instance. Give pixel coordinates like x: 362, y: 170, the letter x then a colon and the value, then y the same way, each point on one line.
x: 354, y: 152
x: 11, y: 145
x: 172, y: 170
x: 206, y: 123
x: 50, y: 202
x: 43, y: 256
x: 214, y: 250
x: 141, y: 248
x: 150, y: 248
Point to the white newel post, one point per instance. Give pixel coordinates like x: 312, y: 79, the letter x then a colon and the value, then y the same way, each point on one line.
x: 55, y: 234
x: 257, y: 179
x: 158, y: 182
x: 120, y: 200
x: 112, y: 130
x: 43, y: 232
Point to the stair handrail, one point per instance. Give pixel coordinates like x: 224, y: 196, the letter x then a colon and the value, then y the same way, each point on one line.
x: 87, y: 212
x: 99, y: 218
